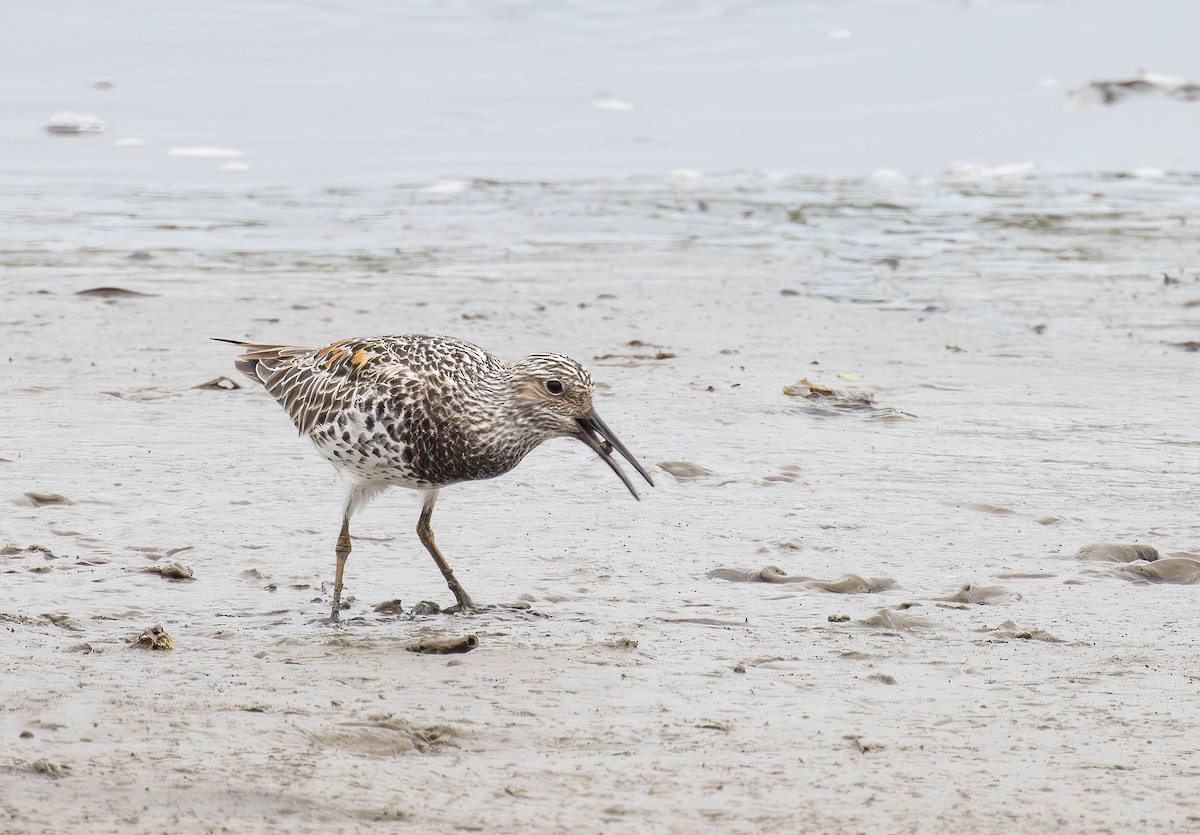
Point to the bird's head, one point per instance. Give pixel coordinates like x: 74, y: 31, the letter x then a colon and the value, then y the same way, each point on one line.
x: 555, y: 393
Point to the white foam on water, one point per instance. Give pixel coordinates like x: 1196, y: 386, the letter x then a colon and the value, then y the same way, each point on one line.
x: 205, y: 152
x: 612, y: 105
x: 69, y: 121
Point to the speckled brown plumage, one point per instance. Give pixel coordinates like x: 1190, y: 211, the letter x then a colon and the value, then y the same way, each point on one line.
x: 425, y: 412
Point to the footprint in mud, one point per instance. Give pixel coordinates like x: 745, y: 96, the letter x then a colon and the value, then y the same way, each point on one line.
x: 847, y: 584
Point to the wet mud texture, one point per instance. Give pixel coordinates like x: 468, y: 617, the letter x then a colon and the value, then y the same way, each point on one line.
x: 1003, y: 311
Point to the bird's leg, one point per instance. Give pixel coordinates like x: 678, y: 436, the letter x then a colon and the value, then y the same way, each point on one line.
x: 343, y: 551
x: 424, y: 530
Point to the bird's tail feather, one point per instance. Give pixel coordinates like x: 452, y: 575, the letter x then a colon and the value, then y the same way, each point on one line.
x: 259, y: 359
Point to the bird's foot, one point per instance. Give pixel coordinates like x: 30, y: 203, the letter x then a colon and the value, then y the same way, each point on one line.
x: 465, y: 606
x: 335, y: 614
x: 470, y: 607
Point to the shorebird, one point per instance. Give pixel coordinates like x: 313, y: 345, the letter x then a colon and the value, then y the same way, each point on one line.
x: 425, y: 412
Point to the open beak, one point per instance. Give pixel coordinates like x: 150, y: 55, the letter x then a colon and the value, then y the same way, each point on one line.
x: 599, y: 437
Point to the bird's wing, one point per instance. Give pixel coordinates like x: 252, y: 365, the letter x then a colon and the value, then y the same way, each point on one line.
x: 314, y: 385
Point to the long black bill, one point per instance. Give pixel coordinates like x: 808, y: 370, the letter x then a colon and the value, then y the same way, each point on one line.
x: 600, y: 438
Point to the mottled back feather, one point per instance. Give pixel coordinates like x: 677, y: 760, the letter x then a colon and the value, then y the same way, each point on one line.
x: 414, y: 410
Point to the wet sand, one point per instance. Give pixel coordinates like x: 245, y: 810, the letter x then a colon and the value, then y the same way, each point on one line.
x: 1022, y: 327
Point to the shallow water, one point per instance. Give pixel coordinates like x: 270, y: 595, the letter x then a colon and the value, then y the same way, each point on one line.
x: 365, y: 92
x: 1018, y: 330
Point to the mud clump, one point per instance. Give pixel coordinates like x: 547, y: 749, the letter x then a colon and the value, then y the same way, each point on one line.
x: 1117, y: 552
x: 825, y: 401
x: 174, y: 571
x: 852, y: 584
x: 846, y: 584
x: 684, y: 470
x: 153, y: 637
x: 385, y: 736
x: 896, y: 621
x: 1182, y: 571
x: 971, y: 594
x: 445, y: 646
x: 221, y: 383
x: 1009, y: 630
x: 37, y: 498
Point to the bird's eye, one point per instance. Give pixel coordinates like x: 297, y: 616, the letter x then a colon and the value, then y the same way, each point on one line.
x: 554, y: 387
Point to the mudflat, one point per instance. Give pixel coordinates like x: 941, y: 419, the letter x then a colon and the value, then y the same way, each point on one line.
x: 1005, y: 387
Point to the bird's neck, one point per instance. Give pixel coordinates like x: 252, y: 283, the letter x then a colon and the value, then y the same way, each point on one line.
x: 501, y: 429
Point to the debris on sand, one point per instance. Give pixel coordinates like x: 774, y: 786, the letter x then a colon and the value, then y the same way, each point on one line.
x: 825, y: 401
x: 852, y: 584
x: 1117, y: 552
x: 1009, y: 630
x: 112, y: 293
x: 684, y: 470
x: 657, y: 355
x: 389, y: 607
x: 38, y: 498
x: 221, y: 383
x: 895, y: 621
x: 64, y: 621
x: 1144, y: 83
x: 445, y: 646
x: 153, y: 637
x: 14, y: 550
x: 846, y: 584
x: 637, y: 356
x: 1191, y: 345
x: 861, y: 746
x: 50, y: 768
x: 174, y: 571
x: 621, y: 642
x: 770, y: 574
